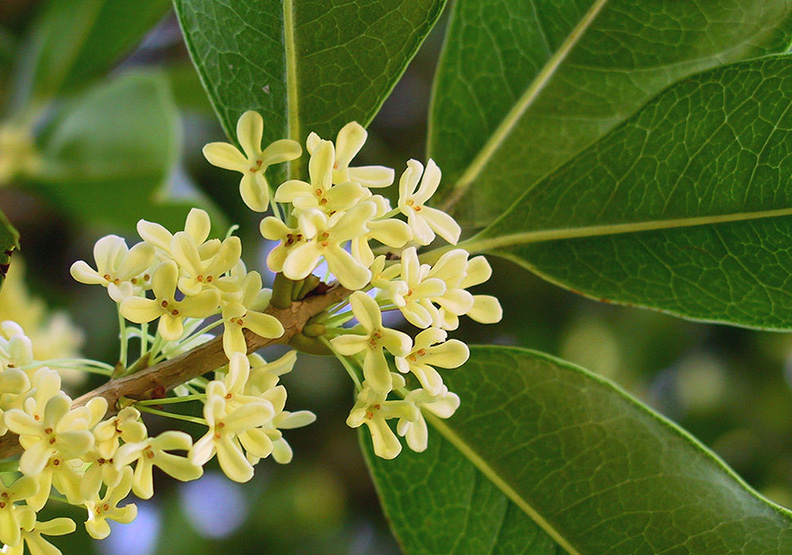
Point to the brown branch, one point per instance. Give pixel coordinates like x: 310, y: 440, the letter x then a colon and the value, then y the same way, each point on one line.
x: 156, y: 380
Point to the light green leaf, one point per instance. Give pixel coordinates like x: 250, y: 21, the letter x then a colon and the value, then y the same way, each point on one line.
x: 305, y: 65
x: 685, y: 208
x: 76, y: 40
x: 110, y: 153
x: 9, y: 241
x: 524, y: 86
x: 538, y: 443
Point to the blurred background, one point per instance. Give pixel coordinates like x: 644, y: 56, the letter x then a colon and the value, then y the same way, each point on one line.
x: 84, y: 152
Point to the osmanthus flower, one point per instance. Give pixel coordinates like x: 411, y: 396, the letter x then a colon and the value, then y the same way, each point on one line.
x: 252, y: 162
x: 443, y: 405
x: 222, y: 438
x: 320, y: 193
x: 418, y: 287
x: 126, y: 426
x: 273, y: 229
x: 11, y: 514
x: 106, y: 507
x: 486, y: 309
x: 153, y: 451
x: 14, y: 384
x: 62, y: 431
x: 327, y: 235
x: 424, y: 220
x: 373, y: 409
x: 388, y: 231
x: 240, y: 314
x: 349, y: 141
x: 32, y: 531
x: 197, y: 272
x: 260, y: 442
x: 431, y: 349
x: 171, y: 313
x: 265, y: 375
x: 197, y: 226
x: 230, y: 385
x: 118, y: 268
x: 66, y: 476
x: 372, y: 342
x: 458, y: 273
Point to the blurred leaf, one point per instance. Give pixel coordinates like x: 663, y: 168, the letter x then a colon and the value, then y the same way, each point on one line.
x: 524, y: 86
x: 109, y: 153
x: 9, y: 240
x: 188, y: 92
x: 538, y: 440
x: 76, y: 40
x: 304, y: 65
x: 684, y: 208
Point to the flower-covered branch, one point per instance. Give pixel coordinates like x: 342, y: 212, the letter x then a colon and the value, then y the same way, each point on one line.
x: 172, y: 289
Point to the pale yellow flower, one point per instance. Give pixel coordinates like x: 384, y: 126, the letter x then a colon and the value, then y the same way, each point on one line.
x: 10, y: 513
x: 374, y: 409
x: 239, y: 315
x: 252, y: 162
x: 431, y: 349
x: 424, y: 220
x: 118, y: 268
x: 349, y: 141
x: 197, y: 226
x: 376, y: 338
x: 320, y: 193
x: 327, y: 237
x: 164, y: 306
x: 32, y: 532
x: 152, y: 452
x: 414, y: 430
x: 106, y: 507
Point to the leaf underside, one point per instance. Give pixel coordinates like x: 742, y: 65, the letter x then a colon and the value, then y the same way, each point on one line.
x: 685, y: 208
x: 524, y: 86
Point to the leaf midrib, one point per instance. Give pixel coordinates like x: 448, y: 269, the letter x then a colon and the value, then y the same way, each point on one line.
x: 481, y: 243
x: 500, y: 483
x: 292, y: 105
x: 526, y: 100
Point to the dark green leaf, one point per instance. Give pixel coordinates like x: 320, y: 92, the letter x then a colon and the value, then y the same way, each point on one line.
x: 524, y: 86
x: 76, y: 40
x: 684, y: 208
x: 305, y: 65
x: 540, y: 443
x: 109, y: 154
x: 9, y: 240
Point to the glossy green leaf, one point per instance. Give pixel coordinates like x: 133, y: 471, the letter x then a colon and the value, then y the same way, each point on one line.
x: 542, y: 449
x: 305, y: 65
x: 76, y: 40
x: 109, y: 154
x: 524, y: 86
x: 9, y: 241
x: 685, y: 208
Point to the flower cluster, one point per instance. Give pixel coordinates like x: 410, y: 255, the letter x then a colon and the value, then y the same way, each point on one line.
x: 172, y: 289
x: 334, y: 218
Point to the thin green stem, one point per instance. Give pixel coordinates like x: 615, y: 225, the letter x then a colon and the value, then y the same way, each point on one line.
x: 11, y: 465
x: 122, y: 357
x: 183, y: 417
x: 143, y: 339
x: 339, y: 319
x: 351, y: 370
x: 171, y: 400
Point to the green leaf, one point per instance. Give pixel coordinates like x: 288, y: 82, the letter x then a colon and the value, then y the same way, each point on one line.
x: 76, y: 40
x: 305, y: 65
x: 685, y: 208
x: 524, y: 86
x: 109, y: 154
x: 9, y: 240
x: 540, y: 443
